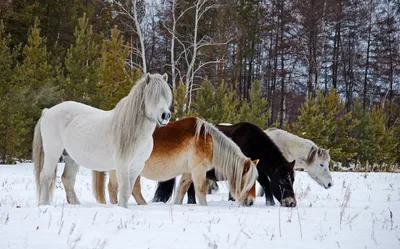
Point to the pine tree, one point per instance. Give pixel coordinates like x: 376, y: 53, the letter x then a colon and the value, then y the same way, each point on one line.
x: 81, y: 65
x: 323, y: 120
x: 312, y: 123
x: 344, y: 145
x: 383, y: 136
x: 364, y: 135
x: 217, y: 105
x: 115, y: 80
x: 254, y: 110
x: 180, y: 101
x: 12, y: 122
x: 205, y: 101
x: 35, y: 78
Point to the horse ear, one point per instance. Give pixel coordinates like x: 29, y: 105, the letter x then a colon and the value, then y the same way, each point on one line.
x: 312, y: 154
x: 256, y: 162
x: 165, y: 77
x: 147, y: 78
x: 293, y: 163
x: 327, y: 151
x: 247, y: 165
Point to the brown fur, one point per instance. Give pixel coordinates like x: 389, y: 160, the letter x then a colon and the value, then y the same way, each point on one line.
x: 177, y: 150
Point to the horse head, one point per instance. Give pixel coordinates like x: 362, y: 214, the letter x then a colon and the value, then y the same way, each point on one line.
x: 247, y: 193
x: 281, y: 180
x: 157, y: 98
x: 318, y: 166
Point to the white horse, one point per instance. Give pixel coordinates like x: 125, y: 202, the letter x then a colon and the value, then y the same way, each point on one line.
x: 119, y: 139
x: 307, y: 154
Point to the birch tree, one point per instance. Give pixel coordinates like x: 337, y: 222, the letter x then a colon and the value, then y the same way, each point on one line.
x: 129, y: 9
x: 190, y: 48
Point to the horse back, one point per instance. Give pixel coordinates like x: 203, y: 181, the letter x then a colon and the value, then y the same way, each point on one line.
x: 180, y: 137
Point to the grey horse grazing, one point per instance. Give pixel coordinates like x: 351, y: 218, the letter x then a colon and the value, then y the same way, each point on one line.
x: 308, y: 156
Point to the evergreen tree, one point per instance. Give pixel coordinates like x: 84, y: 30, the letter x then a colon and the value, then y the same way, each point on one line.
x: 12, y: 122
x: 254, y: 110
x: 217, y: 105
x: 324, y: 121
x: 205, y: 101
x: 35, y: 78
x: 115, y: 80
x: 81, y: 65
x: 180, y: 101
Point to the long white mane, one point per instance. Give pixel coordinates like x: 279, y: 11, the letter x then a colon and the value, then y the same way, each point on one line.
x: 294, y: 147
x: 228, y: 159
x: 129, y: 113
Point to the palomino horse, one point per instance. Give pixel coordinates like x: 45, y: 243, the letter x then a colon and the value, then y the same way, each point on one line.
x: 274, y: 171
x: 118, y: 139
x: 192, y: 146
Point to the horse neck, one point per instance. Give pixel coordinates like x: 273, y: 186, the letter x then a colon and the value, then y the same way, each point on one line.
x: 129, y: 122
x: 228, y: 159
x: 299, y: 148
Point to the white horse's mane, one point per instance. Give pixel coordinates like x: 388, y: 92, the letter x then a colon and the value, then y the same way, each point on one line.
x: 228, y: 159
x: 129, y: 113
x: 290, y: 143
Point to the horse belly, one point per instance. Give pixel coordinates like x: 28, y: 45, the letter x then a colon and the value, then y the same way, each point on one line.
x: 163, y: 168
x: 89, y: 144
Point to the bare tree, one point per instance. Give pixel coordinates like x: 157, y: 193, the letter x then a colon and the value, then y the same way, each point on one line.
x: 129, y: 9
x: 190, y: 48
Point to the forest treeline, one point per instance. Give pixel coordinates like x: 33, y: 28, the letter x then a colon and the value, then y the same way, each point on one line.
x: 325, y: 70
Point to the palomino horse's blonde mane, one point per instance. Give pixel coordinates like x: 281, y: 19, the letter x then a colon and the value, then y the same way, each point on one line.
x: 130, y: 112
x: 228, y: 159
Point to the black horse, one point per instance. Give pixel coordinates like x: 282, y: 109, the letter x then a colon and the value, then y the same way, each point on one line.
x: 275, y: 173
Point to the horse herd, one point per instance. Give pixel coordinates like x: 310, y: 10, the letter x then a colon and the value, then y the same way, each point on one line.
x: 136, y: 139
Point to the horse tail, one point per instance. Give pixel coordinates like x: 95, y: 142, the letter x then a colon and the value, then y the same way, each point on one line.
x: 228, y: 159
x: 164, y: 191
x: 38, y: 156
x: 98, y: 182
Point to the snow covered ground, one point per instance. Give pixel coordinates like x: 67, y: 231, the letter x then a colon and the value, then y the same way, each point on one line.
x: 360, y: 211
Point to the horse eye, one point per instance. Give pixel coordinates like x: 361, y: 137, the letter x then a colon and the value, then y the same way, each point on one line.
x: 321, y: 165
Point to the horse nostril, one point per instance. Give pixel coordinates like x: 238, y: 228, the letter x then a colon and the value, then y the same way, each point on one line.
x: 163, y: 115
x: 168, y: 115
x: 329, y: 185
x: 292, y: 204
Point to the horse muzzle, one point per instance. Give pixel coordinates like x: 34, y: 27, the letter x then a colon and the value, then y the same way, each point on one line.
x: 165, y: 117
x: 289, y: 202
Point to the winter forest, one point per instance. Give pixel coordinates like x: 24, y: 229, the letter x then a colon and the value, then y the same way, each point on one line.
x: 326, y: 70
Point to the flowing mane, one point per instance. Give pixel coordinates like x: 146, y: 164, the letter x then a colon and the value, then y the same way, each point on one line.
x: 295, y: 147
x: 128, y: 113
x: 228, y: 159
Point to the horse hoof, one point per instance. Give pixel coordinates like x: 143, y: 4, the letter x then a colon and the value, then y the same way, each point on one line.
x: 191, y: 201
x: 270, y: 203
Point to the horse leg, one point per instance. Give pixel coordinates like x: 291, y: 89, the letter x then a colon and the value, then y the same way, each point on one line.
x: 137, y: 193
x: 164, y: 191
x: 200, y: 184
x: 126, y: 180
x: 230, y: 197
x: 113, y: 187
x: 68, y: 178
x: 48, y: 172
x: 191, y: 194
x: 264, y: 182
x: 184, y: 183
